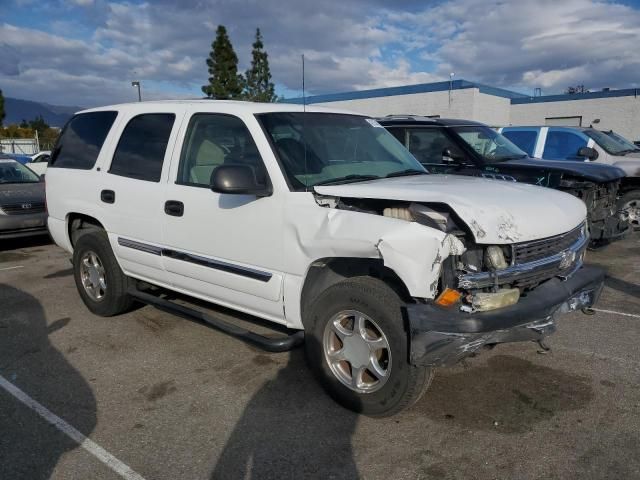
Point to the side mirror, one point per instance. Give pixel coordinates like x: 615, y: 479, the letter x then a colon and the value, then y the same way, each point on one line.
x: 237, y: 180
x: 588, y: 152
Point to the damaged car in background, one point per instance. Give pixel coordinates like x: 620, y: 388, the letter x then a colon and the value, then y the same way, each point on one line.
x: 464, y: 147
x: 322, y: 223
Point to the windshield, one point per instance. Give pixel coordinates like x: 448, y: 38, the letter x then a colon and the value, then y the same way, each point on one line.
x: 321, y: 148
x: 628, y: 143
x: 14, y: 172
x: 611, y: 142
x: 489, y: 144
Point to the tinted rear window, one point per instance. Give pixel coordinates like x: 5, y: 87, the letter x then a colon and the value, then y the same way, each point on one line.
x: 81, y: 140
x: 140, y: 152
x: 525, y: 139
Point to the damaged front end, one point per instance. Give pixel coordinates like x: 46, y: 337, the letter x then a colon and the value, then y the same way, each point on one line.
x: 508, y: 293
x: 606, y: 224
x: 466, y: 294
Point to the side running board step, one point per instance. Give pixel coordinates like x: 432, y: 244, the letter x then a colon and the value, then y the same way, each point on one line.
x: 270, y: 344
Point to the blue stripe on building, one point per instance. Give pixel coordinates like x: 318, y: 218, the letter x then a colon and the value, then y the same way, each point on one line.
x: 515, y: 97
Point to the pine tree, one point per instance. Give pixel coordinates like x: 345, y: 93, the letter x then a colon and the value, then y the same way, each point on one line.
x: 224, y: 81
x: 258, y: 86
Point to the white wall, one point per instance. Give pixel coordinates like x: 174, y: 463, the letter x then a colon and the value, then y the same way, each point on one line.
x: 430, y: 103
x: 621, y: 114
x: 489, y: 109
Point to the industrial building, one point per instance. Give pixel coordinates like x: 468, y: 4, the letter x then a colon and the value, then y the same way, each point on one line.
x: 607, y: 109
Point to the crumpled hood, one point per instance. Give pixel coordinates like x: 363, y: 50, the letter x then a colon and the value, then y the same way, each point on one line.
x: 497, y: 212
x: 596, y: 172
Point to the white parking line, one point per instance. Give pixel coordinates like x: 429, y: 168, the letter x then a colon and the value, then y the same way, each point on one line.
x: 11, y: 268
x: 617, y: 313
x: 93, y: 448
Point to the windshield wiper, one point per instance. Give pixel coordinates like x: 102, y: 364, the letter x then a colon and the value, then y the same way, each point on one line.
x: 347, y: 179
x: 407, y: 172
x: 629, y: 150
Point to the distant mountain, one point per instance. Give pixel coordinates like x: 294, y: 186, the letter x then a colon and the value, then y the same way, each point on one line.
x: 18, y: 110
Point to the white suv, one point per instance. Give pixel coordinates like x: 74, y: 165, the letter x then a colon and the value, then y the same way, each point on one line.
x: 319, y: 221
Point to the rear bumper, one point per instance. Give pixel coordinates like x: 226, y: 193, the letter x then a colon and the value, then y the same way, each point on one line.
x: 441, y: 336
x: 14, y: 226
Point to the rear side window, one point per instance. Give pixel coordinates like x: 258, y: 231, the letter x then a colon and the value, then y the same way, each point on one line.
x: 428, y: 145
x: 141, y: 149
x: 81, y: 140
x: 399, y: 133
x: 525, y: 139
x: 563, y: 145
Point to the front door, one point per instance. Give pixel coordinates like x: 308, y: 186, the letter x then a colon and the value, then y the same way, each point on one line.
x: 221, y: 247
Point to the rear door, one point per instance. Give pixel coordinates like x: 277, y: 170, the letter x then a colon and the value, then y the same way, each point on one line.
x: 131, y: 191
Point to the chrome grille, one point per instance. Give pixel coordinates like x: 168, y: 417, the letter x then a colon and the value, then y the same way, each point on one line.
x: 538, y: 249
x: 535, y: 262
x: 22, y: 208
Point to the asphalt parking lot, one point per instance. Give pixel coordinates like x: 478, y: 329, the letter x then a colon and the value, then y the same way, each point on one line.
x: 168, y: 398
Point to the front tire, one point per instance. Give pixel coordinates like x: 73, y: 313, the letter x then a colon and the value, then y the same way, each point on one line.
x: 629, y: 208
x: 357, y: 347
x: 100, y: 282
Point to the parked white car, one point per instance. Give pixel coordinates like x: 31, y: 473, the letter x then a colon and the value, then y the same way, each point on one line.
x: 321, y: 222
x: 39, y: 162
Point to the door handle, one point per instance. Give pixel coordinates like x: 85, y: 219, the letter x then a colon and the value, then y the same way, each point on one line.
x: 108, y: 196
x: 174, y: 208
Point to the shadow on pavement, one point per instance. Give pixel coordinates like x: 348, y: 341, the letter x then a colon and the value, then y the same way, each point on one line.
x: 25, y: 242
x: 507, y: 395
x: 30, y: 447
x: 623, y: 286
x: 290, y: 429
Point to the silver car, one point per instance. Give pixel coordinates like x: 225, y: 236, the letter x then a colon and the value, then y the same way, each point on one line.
x: 22, y: 201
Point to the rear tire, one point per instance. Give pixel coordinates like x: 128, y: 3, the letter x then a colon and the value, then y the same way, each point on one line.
x: 384, y: 382
x: 631, y: 201
x: 101, y: 283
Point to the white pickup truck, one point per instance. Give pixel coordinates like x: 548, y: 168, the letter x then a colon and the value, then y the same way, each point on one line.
x: 321, y: 222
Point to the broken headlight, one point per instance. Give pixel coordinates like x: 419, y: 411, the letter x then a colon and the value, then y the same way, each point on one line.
x: 494, y: 258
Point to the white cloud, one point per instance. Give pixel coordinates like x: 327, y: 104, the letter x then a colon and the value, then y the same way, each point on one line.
x: 357, y: 44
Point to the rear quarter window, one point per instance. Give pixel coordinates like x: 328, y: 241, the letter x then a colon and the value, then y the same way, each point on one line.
x: 525, y: 139
x: 142, y: 146
x: 81, y: 140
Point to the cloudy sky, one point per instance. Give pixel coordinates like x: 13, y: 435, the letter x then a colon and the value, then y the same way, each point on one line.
x: 86, y: 52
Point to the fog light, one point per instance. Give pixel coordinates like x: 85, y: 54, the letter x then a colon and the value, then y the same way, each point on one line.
x: 448, y: 297
x: 483, y: 302
x: 494, y: 258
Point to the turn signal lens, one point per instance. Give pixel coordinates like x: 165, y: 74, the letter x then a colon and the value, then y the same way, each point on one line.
x: 448, y: 297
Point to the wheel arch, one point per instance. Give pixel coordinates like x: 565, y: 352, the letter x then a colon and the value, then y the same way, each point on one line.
x: 325, y: 272
x: 77, y: 222
x: 629, y: 184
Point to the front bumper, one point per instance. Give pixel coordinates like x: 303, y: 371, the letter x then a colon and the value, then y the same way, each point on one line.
x: 443, y: 336
x: 14, y: 226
